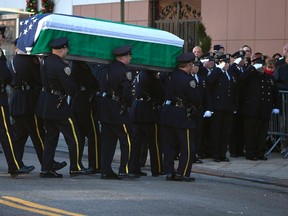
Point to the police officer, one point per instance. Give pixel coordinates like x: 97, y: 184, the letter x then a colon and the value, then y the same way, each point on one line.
x: 149, y: 95
x: 15, y: 165
x: 177, y: 120
x: 261, y: 97
x: 57, y: 85
x: 81, y: 107
x: 114, y: 116
x: 27, y: 85
x: 222, y: 86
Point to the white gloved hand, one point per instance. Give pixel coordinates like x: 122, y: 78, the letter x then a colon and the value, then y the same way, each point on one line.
x: 238, y: 60
x: 257, y: 66
x: 221, y: 65
x: 204, y: 60
x: 207, y: 114
x: 235, y: 112
x: 275, y: 111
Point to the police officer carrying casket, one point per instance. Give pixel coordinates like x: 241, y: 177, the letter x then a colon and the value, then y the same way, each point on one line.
x: 114, y: 116
x: 177, y: 119
x: 15, y: 165
x: 57, y: 85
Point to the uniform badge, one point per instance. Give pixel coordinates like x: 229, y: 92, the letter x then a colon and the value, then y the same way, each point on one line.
x: 129, y: 75
x: 192, y: 83
x: 67, y: 70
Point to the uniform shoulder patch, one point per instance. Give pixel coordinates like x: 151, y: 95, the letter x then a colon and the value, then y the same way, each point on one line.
x: 67, y: 70
x: 129, y: 75
x: 192, y: 83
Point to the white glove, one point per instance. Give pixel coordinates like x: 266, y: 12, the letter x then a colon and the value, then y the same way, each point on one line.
x: 207, y: 114
x: 234, y: 112
x: 275, y: 111
x: 257, y: 66
x: 238, y: 60
x: 221, y: 65
x: 204, y: 60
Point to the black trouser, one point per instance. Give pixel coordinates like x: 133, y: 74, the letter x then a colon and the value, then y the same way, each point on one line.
x: 255, y: 133
x: 110, y: 133
x: 89, y: 128
x: 236, y: 146
x: 221, y: 125
x: 143, y: 134
x: 68, y: 129
x: 186, y: 140
x: 7, y: 141
x: 25, y: 126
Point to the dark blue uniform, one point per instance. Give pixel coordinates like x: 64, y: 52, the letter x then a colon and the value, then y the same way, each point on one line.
x: 260, y: 97
x: 15, y: 164
x: 224, y: 104
x: 178, y: 124
x: 83, y: 112
x: 114, y: 117
x: 149, y: 95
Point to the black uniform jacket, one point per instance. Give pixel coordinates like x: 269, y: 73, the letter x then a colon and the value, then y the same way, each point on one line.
x: 26, y: 83
x: 58, y: 84
x: 182, y: 94
x: 149, y: 95
x: 260, y: 94
x: 5, y: 79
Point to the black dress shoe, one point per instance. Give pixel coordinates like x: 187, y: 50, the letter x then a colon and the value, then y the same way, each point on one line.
x: 83, y: 171
x: 58, y: 165
x: 110, y: 176
x: 158, y: 174
x: 170, y: 177
x: 22, y: 170
x: 95, y: 171
x: 140, y: 173
x: 183, y: 178
x: 217, y: 160
x: 264, y: 158
x: 225, y: 159
x: 200, y: 156
x: 253, y: 158
x: 50, y: 174
x: 233, y: 155
x: 128, y: 175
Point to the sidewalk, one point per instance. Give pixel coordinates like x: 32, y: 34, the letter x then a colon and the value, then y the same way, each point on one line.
x: 273, y: 171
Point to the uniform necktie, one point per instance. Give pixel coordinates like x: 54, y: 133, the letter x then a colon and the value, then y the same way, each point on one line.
x: 227, y: 75
x: 196, y: 77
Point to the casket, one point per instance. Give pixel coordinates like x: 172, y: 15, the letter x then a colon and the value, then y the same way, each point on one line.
x: 93, y: 40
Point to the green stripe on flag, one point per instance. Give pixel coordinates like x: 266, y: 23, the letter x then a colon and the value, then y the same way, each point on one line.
x: 99, y: 47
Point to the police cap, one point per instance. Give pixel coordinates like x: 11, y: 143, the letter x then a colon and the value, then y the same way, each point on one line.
x: 210, y: 56
x: 223, y: 57
x: 186, y: 58
x: 2, y: 30
x: 196, y: 61
x: 59, y: 43
x: 259, y: 60
x: 123, y: 51
x: 218, y: 47
x: 238, y: 54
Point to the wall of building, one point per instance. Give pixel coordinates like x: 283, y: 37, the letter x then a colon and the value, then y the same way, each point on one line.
x: 262, y: 24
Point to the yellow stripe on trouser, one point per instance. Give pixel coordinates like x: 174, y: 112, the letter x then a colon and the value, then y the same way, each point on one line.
x: 95, y: 138
x: 76, y: 141
x: 34, y: 207
x: 129, y: 147
x: 188, y: 151
x: 9, y: 138
x: 157, y: 148
x: 38, y: 132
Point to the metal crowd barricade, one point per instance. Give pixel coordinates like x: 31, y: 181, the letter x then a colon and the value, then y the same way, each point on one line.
x: 278, y: 128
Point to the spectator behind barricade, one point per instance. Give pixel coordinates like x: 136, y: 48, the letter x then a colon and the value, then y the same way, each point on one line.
x: 284, y: 58
x: 270, y: 66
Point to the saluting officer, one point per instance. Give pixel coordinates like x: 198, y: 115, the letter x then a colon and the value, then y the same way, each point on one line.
x: 27, y: 85
x: 261, y: 97
x: 222, y: 86
x: 57, y: 85
x: 15, y: 165
x: 81, y: 106
x: 114, y: 116
x: 149, y: 93
x: 178, y: 121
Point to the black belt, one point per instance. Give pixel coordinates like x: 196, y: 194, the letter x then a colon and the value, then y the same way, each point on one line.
x: 143, y: 98
x: 23, y: 87
x: 181, y: 105
x: 55, y: 92
x: 112, y: 97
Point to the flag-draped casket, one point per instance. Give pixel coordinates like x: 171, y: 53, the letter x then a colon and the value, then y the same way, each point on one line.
x: 94, y: 39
